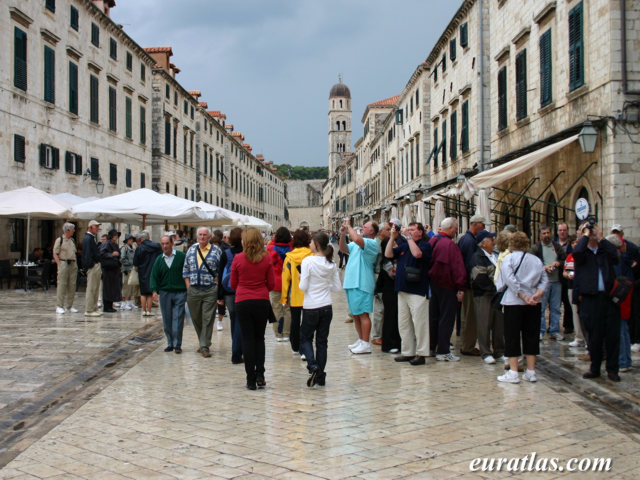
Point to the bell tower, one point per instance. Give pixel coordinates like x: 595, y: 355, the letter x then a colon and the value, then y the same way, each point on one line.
x: 339, y: 124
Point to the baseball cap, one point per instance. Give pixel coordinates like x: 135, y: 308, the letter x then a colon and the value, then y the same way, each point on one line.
x: 477, y: 219
x: 484, y: 234
x: 396, y: 221
x: 93, y: 223
x: 616, y: 227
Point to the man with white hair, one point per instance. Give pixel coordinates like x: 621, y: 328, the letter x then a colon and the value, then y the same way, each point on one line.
x: 200, y: 275
x: 448, y: 280
x: 64, y: 254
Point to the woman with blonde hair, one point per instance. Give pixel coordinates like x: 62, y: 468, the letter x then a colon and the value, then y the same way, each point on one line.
x: 252, y: 278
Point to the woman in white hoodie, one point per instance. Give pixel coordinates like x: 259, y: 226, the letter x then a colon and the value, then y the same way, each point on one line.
x: 318, y: 278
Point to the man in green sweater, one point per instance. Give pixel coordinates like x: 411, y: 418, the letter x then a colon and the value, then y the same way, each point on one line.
x: 167, y: 281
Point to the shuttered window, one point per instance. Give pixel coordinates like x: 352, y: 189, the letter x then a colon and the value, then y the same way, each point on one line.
x: 464, y: 131
x: 453, y: 144
x: 436, y: 147
x: 143, y: 125
x: 128, y: 127
x: 50, y: 5
x: 49, y: 157
x: 167, y: 137
x: 113, y: 48
x: 95, y: 34
x: 452, y: 49
x: 73, y: 88
x: 142, y: 180
x: 112, y: 109
x: 546, y: 69
x: 93, y: 99
x: 129, y: 61
x: 49, y: 75
x: 521, y: 85
x: 127, y: 178
x: 113, y: 174
x: 19, y: 148
x: 444, y: 62
x: 576, y: 48
x: 502, y: 98
x: 464, y: 35
x: 95, y: 169
x: 444, y: 142
x: 73, y: 163
x: 20, y: 59
x: 73, y: 18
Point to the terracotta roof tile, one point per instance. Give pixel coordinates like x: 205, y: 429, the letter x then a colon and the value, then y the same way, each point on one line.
x: 229, y: 126
x: 247, y: 146
x: 159, y: 50
x: 174, y: 68
x: 195, y: 93
x: 203, y: 105
x: 387, y: 102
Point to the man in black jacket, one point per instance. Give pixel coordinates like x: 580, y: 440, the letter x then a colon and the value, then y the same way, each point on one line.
x: 91, y: 263
x: 594, y: 259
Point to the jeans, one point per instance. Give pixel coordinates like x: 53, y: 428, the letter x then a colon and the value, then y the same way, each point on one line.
x: 236, y: 333
x: 318, y: 321
x: 552, y: 297
x: 172, y: 308
x: 624, y: 359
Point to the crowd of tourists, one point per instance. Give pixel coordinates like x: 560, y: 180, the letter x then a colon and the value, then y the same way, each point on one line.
x: 409, y: 289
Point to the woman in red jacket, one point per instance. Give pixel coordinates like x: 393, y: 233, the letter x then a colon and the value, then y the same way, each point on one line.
x: 252, y: 279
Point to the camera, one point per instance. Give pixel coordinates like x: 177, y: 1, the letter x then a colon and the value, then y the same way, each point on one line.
x: 591, y: 222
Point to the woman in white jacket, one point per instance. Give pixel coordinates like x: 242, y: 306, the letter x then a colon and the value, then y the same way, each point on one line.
x: 318, y: 278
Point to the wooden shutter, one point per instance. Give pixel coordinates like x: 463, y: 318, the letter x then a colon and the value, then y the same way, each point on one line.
x: 436, y: 147
x: 464, y: 132
x: 464, y: 35
x: 576, y: 48
x: 112, y: 109
x: 43, y: 155
x: 68, y: 162
x: 93, y: 99
x: 502, y: 98
x: 20, y: 59
x: 545, y: 69
x: 521, y: 85
x: 444, y: 142
x: 73, y: 18
x: 18, y: 148
x: 452, y: 49
x: 143, y: 125
x: 78, y: 165
x: 95, y: 169
x: 73, y: 88
x: 453, y: 147
x: 49, y: 75
x: 128, y: 125
x: 56, y: 158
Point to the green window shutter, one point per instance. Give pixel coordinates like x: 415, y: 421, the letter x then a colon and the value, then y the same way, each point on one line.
x: 43, y: 155
x: 444, y: 62
x: 464, y: 132
x: 464, y: 35
x: 95, y: 35
x: 73, y: 88
x: 521, y: 85
x: 49, y: 75
x: 55, y: 153
x: 502, y: 98
x: 113, y: 174
x: 143, y: 125
x: 68, y: 162
x: 143, y: 72
x: 127, y: 178
x: 50, y: 5
x: 93, y: 99
x: 112, y: 109
x: 452, y: 49
x: 95, y: 168
x: 444, y: 142
x: 545, y: 69
x: 73, y: 18
x: 167, y: 137
x: 453, y: 147
x: 128, y: 125
x: 129, y: 61
x: 78, y: 165
x: 576, y: 48
x: 142, y: 180
x: 436, y: 147
x: 113, y: 48
x: 19, y: 148
x: 20, y: 59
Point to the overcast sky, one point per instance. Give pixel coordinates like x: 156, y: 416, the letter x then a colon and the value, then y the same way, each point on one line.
x: 269, y: 64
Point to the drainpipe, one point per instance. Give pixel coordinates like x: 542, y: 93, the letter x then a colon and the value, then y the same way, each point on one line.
x: 623, y: 49
x: 481, y: 126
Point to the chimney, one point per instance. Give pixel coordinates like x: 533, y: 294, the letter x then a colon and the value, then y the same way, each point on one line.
x: 105, y: 5
x: 161, y: 55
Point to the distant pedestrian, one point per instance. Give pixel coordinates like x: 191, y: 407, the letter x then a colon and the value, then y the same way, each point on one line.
x: 111, y: 273
x: 252, y: 279
x: 143, y: 258
x: 226, y: 295
x: 319, y: 277
x: 278, y: 249
x: 64, y: 254
x: 200, y: 272
x: 168, y: 286
x: 359, y: 280
x: 129, y: 292
x: 91, y: 264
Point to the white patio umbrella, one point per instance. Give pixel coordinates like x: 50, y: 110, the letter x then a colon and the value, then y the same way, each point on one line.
x: 394, y: 212
x: 69, y: 199
x: 438, y: 215
x: 142, y: 206
x: 31, y: 203
x: 422, y: 216
x: 406, y: 215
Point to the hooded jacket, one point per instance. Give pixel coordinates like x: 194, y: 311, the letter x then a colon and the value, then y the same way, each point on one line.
x: 291, y: 293
x: 318, y: 279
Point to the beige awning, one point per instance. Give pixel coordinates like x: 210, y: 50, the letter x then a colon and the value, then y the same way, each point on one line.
x: 496, y: 176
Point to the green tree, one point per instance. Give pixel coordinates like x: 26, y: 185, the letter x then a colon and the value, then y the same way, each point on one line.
x: 302, y: 173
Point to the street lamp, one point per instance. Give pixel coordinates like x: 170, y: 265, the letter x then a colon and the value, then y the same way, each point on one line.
x: 99, y: 185
x: 587, y: 137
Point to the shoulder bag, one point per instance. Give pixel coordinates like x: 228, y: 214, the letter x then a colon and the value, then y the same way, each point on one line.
x: 496, y: 300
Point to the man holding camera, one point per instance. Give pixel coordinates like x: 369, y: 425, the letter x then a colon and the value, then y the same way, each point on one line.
x: 359, y: 280
x: 594, y: 277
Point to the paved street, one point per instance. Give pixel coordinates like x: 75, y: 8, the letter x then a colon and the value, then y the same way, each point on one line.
x: 161, y: 415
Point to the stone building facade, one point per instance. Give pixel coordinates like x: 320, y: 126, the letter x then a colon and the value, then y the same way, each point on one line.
x: 87, y: 110
x: 305, y: 203
x: 506, y: 80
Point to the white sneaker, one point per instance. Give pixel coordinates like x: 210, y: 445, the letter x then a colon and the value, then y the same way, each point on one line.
x: 364, y: 347
x: 354, y: 344
x: 303, y: 357
x: 133, y: 306
x: 73, y: 310
x: 99, y: 304
x: 219, y: 325
x: 558, y: 337
x: 530, y: 376
x: 394, y: 350
x: 635, y: 347
x: 576, y: 343
x: 284, y: 339
x: 449, y: 357
x: 60, y: 310
x: 489, y: 360
x: 509, y: 377
x: 502, y: 359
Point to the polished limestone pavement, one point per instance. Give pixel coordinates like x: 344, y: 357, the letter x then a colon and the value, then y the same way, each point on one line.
x: 184, y: 416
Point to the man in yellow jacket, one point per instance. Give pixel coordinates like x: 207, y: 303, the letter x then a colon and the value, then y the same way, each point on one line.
x: 291, y: 293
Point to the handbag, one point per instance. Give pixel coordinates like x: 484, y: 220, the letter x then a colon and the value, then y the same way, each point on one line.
x: 620, y: 290
x: 412, y: 274
x: 133, y: 279
x: 496, y: 300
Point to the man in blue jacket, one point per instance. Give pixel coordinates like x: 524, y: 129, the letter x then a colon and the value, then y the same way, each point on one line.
x: 91, y: 264
x: 594, y: 258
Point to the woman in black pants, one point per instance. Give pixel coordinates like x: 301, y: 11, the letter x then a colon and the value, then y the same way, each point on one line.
x: 252, y: 278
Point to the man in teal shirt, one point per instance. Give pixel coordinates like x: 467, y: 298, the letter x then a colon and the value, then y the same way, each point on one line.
x: 167, y: 281
x: 359, y: 280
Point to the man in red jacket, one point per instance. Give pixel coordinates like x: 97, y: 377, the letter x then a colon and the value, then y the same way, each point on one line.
x: 448, y: 280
